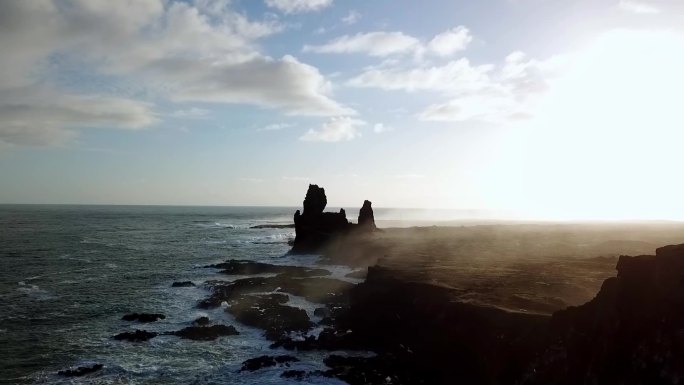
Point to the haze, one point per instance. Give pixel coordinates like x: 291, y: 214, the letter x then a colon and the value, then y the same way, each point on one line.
x: 555, y: 110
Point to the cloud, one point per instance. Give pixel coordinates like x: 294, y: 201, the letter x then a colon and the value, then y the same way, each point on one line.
x: 42, y: 117
x: 275, y: 127
x: 484, y: 92
x: 380, y: 43
x: 380, y: 128
x: 455, y: 76
x: 190, y: 113
x: 299, y: 6
x: 449, y: 42
x: 352, y: 17
x: 202, y: 51
x: 636, y: 6
x: 372, y: 43
x: 337, y: 129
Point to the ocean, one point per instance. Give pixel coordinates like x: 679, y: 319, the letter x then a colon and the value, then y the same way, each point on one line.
x: 69, y: 273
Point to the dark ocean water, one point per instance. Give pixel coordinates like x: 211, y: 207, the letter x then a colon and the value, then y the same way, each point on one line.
x: 69, y: 273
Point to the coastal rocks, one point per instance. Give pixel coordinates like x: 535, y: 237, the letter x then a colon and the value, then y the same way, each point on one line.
x: 422, y: 329
x: 315, y: 228
x: 266, y: 361
x: 267, y: 312
x: 632, y: 332
x: 366, y: 218
x: 183, y: 284
x: 80, y: 371
x: 143, y: 317
x: 273, y: 226
x: 315, y: 289
x: 205, y: 333
x: 135, y: 336
x: 201, y: 321
x: 241, y: 267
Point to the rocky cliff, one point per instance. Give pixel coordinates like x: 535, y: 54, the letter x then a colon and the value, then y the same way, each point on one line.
x: 632, y: 332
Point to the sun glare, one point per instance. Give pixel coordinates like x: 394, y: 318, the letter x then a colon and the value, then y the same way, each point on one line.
x: 607, y: 141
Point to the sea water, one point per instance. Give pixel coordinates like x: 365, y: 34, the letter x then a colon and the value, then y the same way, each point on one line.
x: 69, y: 273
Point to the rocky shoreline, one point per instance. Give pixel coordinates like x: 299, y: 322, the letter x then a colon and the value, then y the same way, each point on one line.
x: 421, y: 332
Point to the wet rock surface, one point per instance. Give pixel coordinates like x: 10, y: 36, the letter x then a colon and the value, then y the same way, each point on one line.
x: 266, y: 361
x: 274, y: 226
x: 205, y: 333
x: 267, y: 312
x: 143, y: 317
x: 201, y: 321
x: 80, y: 371
x: 135, y: 336
x: 240, y: 267
x: 316, y: 289
x: 183, y: 284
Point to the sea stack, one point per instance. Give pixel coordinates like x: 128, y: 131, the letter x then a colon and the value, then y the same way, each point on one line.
x: 313, y: 227
x: 366, y: 218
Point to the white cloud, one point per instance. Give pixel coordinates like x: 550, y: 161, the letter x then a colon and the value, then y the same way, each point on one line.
x: 484, y: 92
x: 379, y: 128
x: 299, y: 6
x: 352, y: 17
x: 372, y: 43
x: 640, y: 7
x: 337, y: 129
x: 449, y: 42
x: 184, y: 52
x: 41, y: 116
x: 381, y: 43
x: 190, y: 113
x: 455, y: 76
x: 275, y: 127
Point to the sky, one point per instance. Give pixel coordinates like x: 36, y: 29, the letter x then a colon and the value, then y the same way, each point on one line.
x: 550, y: 109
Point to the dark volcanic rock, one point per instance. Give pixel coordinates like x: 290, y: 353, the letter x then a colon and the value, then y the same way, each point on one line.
x: 266, y: 361
x: 317, y: 289
x: 632, y: 332
x: 313, y: 227
x: 273, y: 226
x: 366, y: 218
x: 183, y: 284
x: 201, y: 321
x: 296, y: 374
x: 80, y: 371
x: 143, y: 317
x: 370, y: 371
x: 241, y: 267
x: 424, y: 330
x: 360, y: 274
x: 205, y: 333
x: 136, y: 336
x: 267, y: 312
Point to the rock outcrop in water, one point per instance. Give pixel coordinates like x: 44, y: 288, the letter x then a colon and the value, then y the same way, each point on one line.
x: 314, y: 227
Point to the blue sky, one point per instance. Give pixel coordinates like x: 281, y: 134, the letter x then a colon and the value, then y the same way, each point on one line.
x: 507, y: 104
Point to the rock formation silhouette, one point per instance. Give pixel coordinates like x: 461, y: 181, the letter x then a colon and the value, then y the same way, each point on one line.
x: 314, y: 227
x: 366, y: 218
x: 632, y: 332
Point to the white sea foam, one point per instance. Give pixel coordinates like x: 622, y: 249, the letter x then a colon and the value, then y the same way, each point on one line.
x: 34, y: 291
